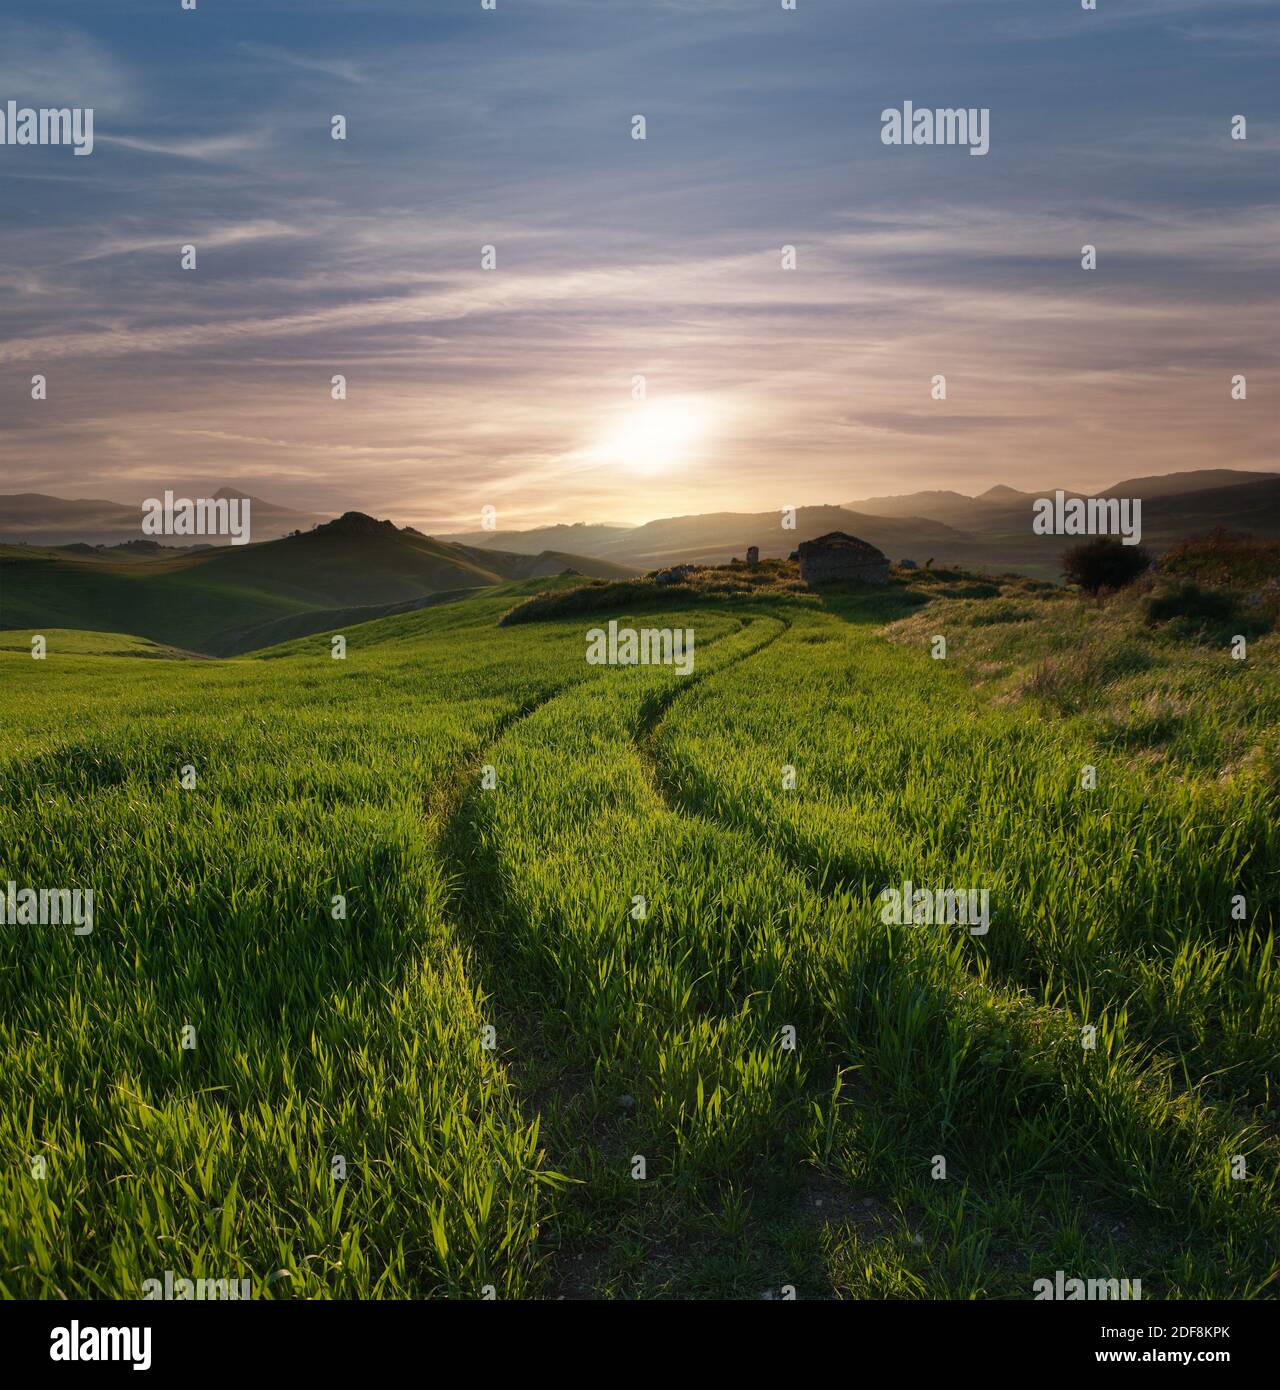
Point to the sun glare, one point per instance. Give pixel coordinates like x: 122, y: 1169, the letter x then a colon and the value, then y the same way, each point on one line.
x: 655, y: 436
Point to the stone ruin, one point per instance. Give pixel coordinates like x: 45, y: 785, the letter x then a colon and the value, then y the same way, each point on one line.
x: 837, y: 556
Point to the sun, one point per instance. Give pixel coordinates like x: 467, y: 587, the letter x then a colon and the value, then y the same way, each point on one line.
x: 651, y: 437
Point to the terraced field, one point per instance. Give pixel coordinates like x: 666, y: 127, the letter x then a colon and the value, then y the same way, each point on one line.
x: 613, y: 1009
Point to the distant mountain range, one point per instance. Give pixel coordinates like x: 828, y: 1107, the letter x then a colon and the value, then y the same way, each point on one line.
x: 31, y: 518
x: 85, y: 563
x: 1000, y: 507
x: 991, y: 531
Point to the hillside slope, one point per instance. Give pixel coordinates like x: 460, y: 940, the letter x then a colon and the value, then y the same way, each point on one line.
x: 575, y: 538
x: 212, y: 600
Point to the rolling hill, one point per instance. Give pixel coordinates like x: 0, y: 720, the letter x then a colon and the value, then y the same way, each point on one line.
x: 578, y: 537
x: 716, y: 537
x: 231, y: 599
x: 235, y: 598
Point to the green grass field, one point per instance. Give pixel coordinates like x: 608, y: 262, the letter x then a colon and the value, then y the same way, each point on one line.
x: 666, y: 907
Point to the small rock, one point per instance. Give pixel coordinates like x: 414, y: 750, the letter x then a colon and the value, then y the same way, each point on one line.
x: 677, y: 574
x: 627, y: 1103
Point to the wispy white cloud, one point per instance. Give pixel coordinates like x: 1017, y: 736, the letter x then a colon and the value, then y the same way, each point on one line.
x: 305, y: 62
x: 204, y: 237
x: 213, y: 148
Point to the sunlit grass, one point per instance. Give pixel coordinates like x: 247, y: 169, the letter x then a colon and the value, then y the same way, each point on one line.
x: 647, y: 912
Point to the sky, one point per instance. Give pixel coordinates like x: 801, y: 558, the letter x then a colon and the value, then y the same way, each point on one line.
x: 515, y: 387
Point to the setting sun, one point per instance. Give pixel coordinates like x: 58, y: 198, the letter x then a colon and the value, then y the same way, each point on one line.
x: 652, y: 437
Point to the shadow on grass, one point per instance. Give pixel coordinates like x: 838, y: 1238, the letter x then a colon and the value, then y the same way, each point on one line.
x: 859, y: 603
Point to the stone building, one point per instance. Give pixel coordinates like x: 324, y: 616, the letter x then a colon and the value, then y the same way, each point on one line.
x: 837, y: 556
x: 753, y: 554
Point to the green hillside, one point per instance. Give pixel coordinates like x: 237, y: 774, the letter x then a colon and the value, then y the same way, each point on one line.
x: 225, y: 600
x: 662, y: 894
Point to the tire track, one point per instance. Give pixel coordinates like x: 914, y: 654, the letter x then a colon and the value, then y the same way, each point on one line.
x: 556, y: 1093
x: 1030, y: 1018
x: 655, y: 712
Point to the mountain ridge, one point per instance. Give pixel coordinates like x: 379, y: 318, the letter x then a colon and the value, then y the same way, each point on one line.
x: 990, y: 531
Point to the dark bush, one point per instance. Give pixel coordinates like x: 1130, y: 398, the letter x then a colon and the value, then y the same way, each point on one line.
x: 1104, y: 563
x: 1187, y: 600
x: 599, y: 596
x: 1222, y: 557
x: 1194, y: 612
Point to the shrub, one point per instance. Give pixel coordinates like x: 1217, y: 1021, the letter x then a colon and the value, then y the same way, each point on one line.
x: 1193, y: 611
x: 1222, y: 557
x: 1187, y: 600
x: 599, y: 596
x: 1104, y: 563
